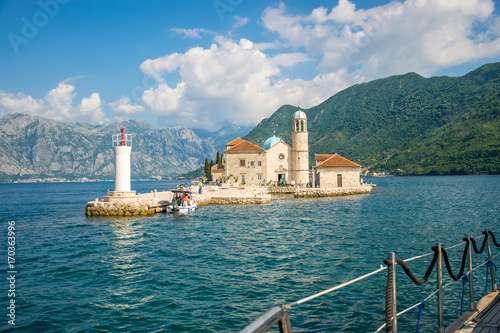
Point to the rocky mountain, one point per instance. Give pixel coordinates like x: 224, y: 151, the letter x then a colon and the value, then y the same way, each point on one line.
x: 225, y: 134
x: 36, y: 147
x: 406, y: 124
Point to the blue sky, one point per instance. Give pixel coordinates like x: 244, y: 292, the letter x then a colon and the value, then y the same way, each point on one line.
x: 207, y: 63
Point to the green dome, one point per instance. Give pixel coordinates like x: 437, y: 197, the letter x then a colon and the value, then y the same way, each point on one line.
x: 271, y: 142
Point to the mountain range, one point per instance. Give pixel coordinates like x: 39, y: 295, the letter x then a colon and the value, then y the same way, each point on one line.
x: 406, y: 124
x: 36, y: 147
x: 403, y: 124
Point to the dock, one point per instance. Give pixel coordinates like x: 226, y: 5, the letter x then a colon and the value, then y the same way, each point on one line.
x: 157, y: 202
x: 127, y: 203
x: 485, y: 320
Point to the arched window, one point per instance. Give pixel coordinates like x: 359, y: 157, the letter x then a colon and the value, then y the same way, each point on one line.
x: 302, y: 126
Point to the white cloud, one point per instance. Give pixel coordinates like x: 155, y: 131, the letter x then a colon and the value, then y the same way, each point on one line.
x: 57, y: 104
x: 230, y: 82
x: 59, y: 100
x: 239, y: 22
x: 124, y: 106
x: 290, y: 59
x: 415, y: 35
x: 190, y: 33
x: 164, y: 98
x: 20, y: 103
x: 91, y: 107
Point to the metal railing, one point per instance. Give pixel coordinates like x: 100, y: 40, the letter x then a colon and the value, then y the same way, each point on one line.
x: 278, y: 315
x: 121, y: 140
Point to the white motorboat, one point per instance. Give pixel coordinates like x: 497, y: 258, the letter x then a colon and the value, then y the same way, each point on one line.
x: 182, y: 202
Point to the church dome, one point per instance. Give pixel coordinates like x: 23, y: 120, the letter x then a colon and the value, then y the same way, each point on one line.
x: 299, y: 115
x: 271, y: 142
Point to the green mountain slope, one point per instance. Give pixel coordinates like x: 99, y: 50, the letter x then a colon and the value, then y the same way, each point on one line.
x: 439, y: 125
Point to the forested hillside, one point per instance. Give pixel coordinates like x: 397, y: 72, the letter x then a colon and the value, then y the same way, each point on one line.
x: 406, y: 124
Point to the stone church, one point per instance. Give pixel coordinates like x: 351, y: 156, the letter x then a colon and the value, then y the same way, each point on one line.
x: 245, y: 162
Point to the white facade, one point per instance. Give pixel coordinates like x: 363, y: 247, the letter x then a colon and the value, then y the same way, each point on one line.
x: 122, y: 168
x: 278, y: 162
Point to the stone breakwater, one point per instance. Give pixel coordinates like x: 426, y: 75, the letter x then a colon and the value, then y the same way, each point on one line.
x: 258, y: 200
x: 282, y: 190
x: 122, y: 208
x: 331, y: 192
x: 127, y: 204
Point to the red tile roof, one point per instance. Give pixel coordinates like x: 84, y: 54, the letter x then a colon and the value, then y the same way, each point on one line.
x: 244, y: 146
x: 322, y: 156
x: 235, y: 142
x: 218, y: 171
x: 337, y: 161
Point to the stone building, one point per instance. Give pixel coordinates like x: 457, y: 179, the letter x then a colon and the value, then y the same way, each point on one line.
x: 245, y: 162
x: 275, y: 161
x: 333, y: 170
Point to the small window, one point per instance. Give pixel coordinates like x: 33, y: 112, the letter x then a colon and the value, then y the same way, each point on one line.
x: 259, y: 177
x: 259, y: 163
x: 242, y: 163
x: 252, y: 163
x: 281, y: 157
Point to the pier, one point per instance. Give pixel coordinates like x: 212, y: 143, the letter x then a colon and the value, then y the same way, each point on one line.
x: 127, y: 203
x: 157, y: 202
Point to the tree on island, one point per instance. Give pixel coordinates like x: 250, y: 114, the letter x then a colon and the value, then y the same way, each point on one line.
x: 207, y: 169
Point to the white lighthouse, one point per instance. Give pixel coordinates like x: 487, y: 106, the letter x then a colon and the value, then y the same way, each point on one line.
x: 122, y: 147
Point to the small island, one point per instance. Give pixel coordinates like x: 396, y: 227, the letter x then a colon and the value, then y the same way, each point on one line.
x: 249, y: 174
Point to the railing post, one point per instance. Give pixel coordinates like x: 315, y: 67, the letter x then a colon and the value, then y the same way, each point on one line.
x: 394, y: 312
x: 440, y: 290
x: 284, y: 324
x: 493, y: 281
x: 472, y: 304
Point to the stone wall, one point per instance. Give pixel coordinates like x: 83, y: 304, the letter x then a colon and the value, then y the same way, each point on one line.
x: 331, y: 192
x: 328, y: 176
x: 281, y: 189
x: 100, y: 208
x: 250, y: 172
x: 240, y: 200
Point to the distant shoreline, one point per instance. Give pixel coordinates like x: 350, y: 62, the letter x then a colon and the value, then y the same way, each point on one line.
x: 80, y: 180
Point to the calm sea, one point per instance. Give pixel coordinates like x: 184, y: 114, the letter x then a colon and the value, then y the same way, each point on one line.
x: 224, y: 266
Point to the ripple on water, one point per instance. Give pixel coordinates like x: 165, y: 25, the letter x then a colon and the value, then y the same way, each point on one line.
x: 224, y: 266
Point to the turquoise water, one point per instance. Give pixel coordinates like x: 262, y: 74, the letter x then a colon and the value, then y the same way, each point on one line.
x: 222, y: 267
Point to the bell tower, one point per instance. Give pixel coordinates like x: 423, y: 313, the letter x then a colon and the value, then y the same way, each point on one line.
x: 300, y: 148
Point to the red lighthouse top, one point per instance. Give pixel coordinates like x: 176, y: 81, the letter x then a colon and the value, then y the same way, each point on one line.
x: 122, y: 139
